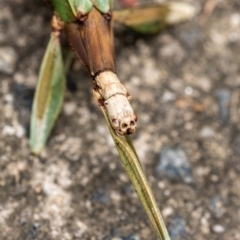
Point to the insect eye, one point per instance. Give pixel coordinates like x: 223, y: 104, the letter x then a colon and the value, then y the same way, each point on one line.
x: 132, y: 123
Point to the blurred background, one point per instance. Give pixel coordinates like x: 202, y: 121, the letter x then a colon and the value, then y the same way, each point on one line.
x: 185, y: 84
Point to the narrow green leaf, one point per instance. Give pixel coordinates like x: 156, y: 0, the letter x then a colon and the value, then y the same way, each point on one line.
x: 103, y: 6
x: 152, y: 18
x: 64, y: 10
x: 48, y: 96
x: 83, y: 6
x: 135, y: 172
x: 68, y: 10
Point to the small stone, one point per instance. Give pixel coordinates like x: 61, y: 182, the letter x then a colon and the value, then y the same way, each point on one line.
x: 217, y: 228
x: 205, y: 224
x: 20, y: 131
x: 188, y: 90
x: 235, y: 20
x: 167, y: 211
x: 19, y: 78
x: 129, y: 191
x: 171, y: 50
x: 32, y: 231
x: 161, y: 185
x: 216, y: 205
x: 8, y: 59
x: 9, y: 98
x: 204, y: 84
x: 17, y: 130
x: 168, y: 96
x: 8, y: 131
x: 174, y: 165
x: 21, y: 166
x: 176, y: 228
x: 72, y: 147
x: 206, y: 132
x: 69, y: 108
x: 224, y: 100
x: 101, y: 196
x: 130, y: 237
x: 115, y: 196
x: 191, y: 37
x: 82, y: 228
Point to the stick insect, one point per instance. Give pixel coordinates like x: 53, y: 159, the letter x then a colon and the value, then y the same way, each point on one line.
x: 88, y: 25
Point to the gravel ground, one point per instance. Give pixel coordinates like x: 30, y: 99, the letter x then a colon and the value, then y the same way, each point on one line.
x: 185, y: 84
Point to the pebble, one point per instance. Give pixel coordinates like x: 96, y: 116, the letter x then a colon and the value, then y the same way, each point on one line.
x: 8, y: 130
x: 168, y: 96
x: 115, y: 236
x: 204, y: 83
x: 129, y: 191
x: 171, y: 50
x: 32, y: 231
x: 167, y: 211
x: 23, y: 96
x: 216, y: 205
x: 101, y: 196
x: 20, y: 131
x: 207, y: 132
x: 224, y: 100
x: 235, y: 20
x: 188, y: 90
x: 191, y: 37
x: 69, y: 108
x: 176, y: 228
x: 8, y: 59
x: 130, y: 237
x: 82, y: 228
x: 17, y: 130
x: 174, y: 165
x: 217, y: 228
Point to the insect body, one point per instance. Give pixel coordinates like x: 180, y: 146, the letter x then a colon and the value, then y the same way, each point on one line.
x: 115, y: 98
x: 92, y: 39
x: 88, y: 26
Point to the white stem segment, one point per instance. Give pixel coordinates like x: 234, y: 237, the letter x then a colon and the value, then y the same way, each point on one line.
x: 114, y: 97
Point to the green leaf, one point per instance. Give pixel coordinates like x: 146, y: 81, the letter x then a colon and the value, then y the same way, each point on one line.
x: 150, y: 19
x: 68, y: 10
x: 49, y: 95
x: 135, y: 172
x: 104, y: 6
